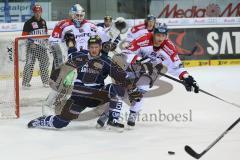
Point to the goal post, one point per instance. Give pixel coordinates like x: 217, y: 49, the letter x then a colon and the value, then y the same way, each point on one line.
x: 16, y: 67
x: 12, y: 61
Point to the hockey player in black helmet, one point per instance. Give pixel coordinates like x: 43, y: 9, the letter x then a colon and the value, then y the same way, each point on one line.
x: 89, y: 89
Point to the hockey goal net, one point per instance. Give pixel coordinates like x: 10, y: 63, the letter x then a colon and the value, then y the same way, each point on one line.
x: 13, y: 58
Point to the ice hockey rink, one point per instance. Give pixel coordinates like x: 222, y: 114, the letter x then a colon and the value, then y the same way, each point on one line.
x: 207, y: 118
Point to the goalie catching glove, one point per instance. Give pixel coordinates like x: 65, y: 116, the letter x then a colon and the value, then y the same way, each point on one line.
x: 70, y: 39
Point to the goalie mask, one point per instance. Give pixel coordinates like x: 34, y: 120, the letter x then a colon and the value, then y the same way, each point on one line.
x: 77, y: 14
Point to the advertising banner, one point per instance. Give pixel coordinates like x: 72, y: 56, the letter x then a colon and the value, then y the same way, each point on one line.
x: 195, y: 8
x: 212, y: 43
x: 20, y: 12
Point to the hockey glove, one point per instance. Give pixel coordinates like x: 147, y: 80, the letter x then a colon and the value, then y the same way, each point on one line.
x: 70, y: 39
x: 190, y: 84
x: 78, y: 59
x: 135, y: 95
x: 106, y: 46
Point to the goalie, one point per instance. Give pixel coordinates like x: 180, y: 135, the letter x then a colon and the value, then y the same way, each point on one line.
x: 89, y: 89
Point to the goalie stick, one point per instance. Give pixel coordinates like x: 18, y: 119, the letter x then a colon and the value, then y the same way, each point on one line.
x: 196, y: 155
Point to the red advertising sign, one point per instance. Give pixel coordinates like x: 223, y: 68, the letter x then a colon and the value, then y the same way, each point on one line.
x: 188, y: 9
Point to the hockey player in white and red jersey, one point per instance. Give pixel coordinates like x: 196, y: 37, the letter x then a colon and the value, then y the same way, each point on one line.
x: 156, y: 49
x: 81, y: 28
x: 152, y: 53
x: 77, y: 25
x: 141, y: 29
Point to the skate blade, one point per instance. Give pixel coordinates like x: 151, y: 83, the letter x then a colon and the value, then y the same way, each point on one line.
x: 98, y: 126
x: 114, y: 129
x: 130, y: 127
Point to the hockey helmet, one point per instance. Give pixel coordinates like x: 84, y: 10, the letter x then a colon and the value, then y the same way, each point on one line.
x: 36, y: 8
x: 161, y: 28
x: 108, y: 18
x: 151, y: 18
x: 94, y: 40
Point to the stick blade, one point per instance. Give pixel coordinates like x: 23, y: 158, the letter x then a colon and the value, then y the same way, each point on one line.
x: 191, y: 152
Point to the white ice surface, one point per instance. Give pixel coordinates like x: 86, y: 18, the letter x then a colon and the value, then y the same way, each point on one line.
x: 149, y: 140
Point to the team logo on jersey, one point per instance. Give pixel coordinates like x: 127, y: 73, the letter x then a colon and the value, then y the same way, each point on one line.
x: 143, y: 43
x: 154, y: 54
x: 83, y: 35
x: 86, y: 69
x: 98, y: 65
x: 34, y: 25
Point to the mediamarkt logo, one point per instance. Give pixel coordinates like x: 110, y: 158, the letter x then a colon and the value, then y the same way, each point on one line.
x: 212, y: 10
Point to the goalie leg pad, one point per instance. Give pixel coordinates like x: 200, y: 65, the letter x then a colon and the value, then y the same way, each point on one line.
x: 58, y: 75
x: 58, y: 58
x: 121, y: 60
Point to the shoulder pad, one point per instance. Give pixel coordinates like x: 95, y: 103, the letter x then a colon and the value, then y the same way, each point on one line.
x: 64, y: 23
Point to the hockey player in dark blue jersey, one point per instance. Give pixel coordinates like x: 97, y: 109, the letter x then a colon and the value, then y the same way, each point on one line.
x: 89, y: 89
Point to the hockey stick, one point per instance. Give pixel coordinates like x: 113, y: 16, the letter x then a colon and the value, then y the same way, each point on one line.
x: 205, y: 92
x: 191, y: 53
x: 196, y: 155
